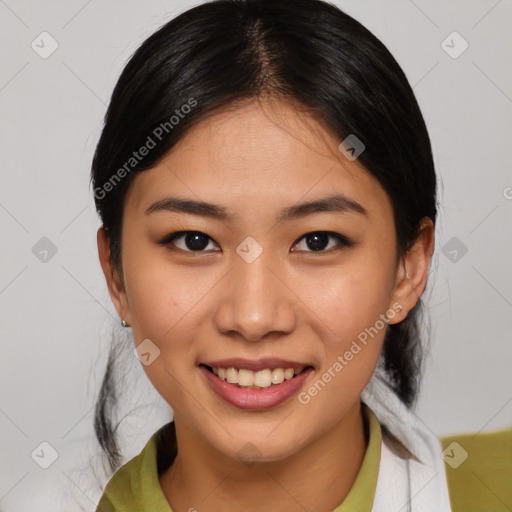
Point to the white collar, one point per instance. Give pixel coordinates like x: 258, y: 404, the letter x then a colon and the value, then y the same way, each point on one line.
x: 404, y: 484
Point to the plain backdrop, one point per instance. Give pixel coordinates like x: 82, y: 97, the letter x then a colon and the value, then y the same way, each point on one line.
x: 56, y: 317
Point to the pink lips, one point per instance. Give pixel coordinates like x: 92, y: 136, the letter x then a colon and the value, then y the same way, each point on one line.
x: 254, y: 399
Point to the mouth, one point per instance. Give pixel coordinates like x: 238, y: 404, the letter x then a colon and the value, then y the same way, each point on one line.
x: 255, y: 385
x: 259, y: 380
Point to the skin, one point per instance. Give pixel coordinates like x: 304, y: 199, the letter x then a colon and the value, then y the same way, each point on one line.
x: 291, y: 302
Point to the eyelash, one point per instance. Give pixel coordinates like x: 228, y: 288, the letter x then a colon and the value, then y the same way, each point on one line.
x: 343, y: 241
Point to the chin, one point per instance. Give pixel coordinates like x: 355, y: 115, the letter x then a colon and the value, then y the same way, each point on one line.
x: 258, y: 447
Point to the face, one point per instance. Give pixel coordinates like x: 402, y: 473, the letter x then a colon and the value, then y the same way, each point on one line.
x: 243, y: 285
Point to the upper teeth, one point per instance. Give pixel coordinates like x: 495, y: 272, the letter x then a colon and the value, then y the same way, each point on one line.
x: 262, y: 378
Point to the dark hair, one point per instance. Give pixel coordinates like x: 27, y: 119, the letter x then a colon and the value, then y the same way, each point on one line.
x: 305, y: 51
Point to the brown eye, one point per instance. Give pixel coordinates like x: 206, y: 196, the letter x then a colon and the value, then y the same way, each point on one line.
x: 189, y: 241
x: 318, y: 241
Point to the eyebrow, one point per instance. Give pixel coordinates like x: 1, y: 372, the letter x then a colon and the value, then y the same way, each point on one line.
x: 333, y: 204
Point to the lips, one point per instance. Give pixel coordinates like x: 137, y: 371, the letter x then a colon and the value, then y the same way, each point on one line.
x: 257, y: 384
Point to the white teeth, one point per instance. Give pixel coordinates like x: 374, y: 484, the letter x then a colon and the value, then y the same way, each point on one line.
x: 277, y: 376
x: 245, y: 377
x: 260, y: 379
x: 232, y: 376
x: 288, y: 373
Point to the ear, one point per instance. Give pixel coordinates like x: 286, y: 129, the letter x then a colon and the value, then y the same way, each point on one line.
x: 412, y: 272
x: 114, y: 280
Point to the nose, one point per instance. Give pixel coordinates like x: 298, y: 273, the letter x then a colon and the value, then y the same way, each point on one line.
x: 255, y: 301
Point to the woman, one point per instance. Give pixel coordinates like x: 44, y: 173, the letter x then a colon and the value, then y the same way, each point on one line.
x: 268, y: 202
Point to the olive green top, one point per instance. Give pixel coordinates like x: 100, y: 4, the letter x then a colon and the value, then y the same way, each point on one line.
x: 478, y: 482
x: 483, y: 480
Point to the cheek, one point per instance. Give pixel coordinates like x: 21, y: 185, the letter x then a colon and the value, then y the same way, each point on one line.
x: 353, y: 330
x: 165, y: 306
x: 354, y: 300
x: 161, y: 296
x: 351, y: 345
x: 356, y: 330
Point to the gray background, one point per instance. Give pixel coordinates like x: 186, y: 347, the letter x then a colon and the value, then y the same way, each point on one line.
x: 56, y: 317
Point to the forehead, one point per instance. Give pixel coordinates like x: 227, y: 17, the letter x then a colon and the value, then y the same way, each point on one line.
x: 259, y: 155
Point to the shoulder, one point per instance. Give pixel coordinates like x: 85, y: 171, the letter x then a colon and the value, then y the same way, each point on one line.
x: 479, y: 470
x: 121, y: 489
x: 135, y: 485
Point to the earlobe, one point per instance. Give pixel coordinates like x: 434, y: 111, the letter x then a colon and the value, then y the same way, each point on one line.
x: 114, y: 282
x: 412, y: 273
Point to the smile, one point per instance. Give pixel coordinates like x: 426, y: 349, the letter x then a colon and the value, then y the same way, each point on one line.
x: 261, y: 379
x: 255, y: 389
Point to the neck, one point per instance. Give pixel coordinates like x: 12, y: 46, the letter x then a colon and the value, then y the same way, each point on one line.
x: 318, y: 477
